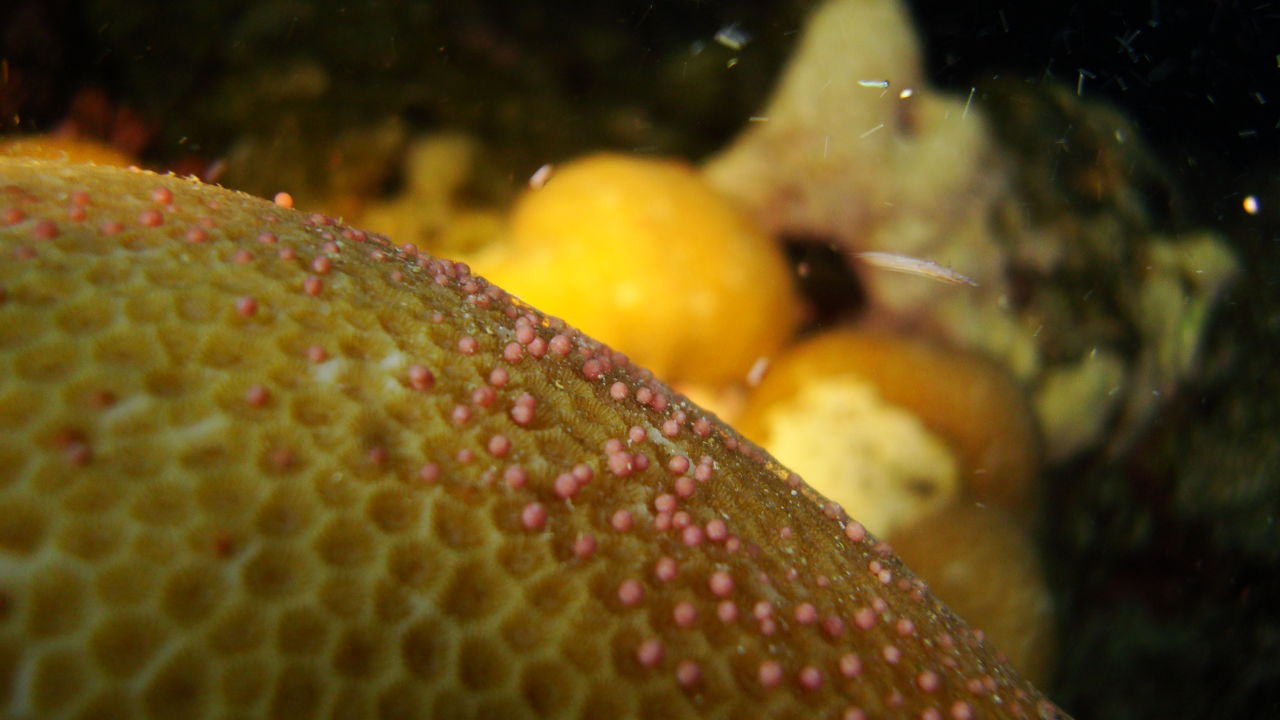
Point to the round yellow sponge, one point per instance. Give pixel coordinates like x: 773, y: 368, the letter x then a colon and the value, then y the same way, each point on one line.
x: 644, y: 255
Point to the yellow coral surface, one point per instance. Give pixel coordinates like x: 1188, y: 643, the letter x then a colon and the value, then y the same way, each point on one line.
x: 255, y: 463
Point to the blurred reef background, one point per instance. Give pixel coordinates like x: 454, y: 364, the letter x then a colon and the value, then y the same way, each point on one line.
x: 1162, y: 551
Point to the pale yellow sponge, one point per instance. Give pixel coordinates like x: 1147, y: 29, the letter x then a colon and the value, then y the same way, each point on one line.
x: 255, y: 463
x: 643, y: 254
x: 876, y: 459
x: 897, y: 427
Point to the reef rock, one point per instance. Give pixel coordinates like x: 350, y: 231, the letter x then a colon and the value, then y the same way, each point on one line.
x: 1041, y: 197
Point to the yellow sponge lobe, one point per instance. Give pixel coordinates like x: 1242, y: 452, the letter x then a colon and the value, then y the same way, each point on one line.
x: 646, y: 256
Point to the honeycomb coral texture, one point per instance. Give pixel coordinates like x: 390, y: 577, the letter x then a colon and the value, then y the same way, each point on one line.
x: 255, y: 463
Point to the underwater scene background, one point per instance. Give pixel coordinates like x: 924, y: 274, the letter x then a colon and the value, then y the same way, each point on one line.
x: 1092, y: 408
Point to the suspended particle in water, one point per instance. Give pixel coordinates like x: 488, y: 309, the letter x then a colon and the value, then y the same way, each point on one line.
x: 908, y: 265
x: 541, y: 176
x: 733, y: 37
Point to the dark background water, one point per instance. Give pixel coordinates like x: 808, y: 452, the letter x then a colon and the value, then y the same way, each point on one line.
x: 1171, y: 603
x: 1165, y: 560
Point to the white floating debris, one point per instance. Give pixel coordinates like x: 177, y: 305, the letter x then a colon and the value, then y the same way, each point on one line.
x: 874, y: 83
x: 733, y: 37
x: 757, y: 371
x: 1251, y: 204
x: 877, y: 127
x: 906, y: 93
x: 1081, y: 74
x: 541, y: 176
x: 914, y: 266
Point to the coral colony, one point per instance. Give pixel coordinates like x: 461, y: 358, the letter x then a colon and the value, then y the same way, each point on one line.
x: 259, y: 462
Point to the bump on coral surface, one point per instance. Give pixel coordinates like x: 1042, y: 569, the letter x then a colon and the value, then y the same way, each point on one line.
x: 257, y: 463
